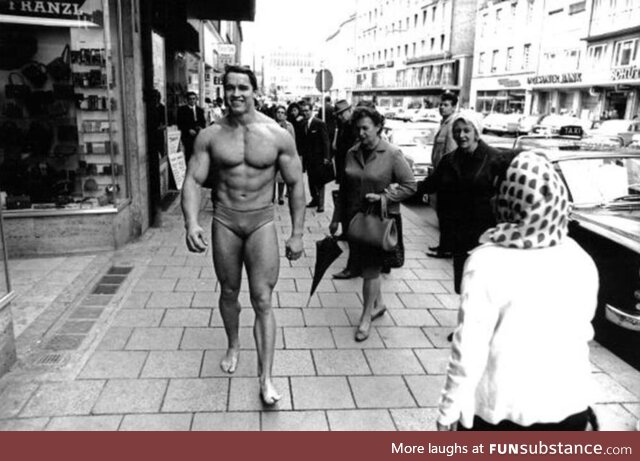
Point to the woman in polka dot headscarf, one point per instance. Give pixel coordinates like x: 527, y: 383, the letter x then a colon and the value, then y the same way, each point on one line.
x: 520, y: 354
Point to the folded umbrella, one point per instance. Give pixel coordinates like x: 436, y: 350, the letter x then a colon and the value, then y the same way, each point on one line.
x: 327, y: 251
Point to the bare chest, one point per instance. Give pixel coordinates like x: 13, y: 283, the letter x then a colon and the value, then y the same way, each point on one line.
x: 250, y: 146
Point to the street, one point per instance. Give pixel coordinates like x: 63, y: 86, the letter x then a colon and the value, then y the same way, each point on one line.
x: 132, y: 341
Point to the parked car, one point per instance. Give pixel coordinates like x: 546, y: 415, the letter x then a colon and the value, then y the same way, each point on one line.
x: 426, y: 115
x: 526, y: 123
x: 501, y: 123
x: 626, y: 129
x: 416, y: 142
x: 604, y: 187
x: 551, y: 124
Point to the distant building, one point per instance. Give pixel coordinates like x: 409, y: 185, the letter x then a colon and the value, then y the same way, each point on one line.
x: 408, y: 51
x: 340, y: 59
x: 507, y: 40
x: 289, y: 75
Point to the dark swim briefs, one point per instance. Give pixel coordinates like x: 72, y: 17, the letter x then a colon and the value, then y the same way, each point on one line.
x: 240, y: 222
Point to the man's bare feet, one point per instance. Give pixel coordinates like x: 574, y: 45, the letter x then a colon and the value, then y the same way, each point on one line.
x: 268, y: 393
x: 229, y: 362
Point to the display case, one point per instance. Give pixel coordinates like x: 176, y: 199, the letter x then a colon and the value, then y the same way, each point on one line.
x: 60, y: 119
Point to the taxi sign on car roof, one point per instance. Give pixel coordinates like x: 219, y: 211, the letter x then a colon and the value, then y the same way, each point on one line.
x: 571, y: 130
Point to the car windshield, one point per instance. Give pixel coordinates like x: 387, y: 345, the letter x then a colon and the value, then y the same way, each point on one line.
x: 606, y: 181
x: 409, y: 137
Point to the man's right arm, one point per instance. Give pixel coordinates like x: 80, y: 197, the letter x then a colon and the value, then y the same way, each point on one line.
x: 197, y: 172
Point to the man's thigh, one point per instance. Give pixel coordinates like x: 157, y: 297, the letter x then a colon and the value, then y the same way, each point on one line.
x: 262, y: 259
x: 227, y: 255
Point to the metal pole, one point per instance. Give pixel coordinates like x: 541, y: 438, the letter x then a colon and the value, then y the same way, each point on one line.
x: 324, y: 109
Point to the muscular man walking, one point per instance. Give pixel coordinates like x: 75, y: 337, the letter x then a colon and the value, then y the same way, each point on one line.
x: 242, y: 152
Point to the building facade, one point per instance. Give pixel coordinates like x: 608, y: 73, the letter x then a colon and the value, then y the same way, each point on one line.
x: 408, y: 52
x: 288, y: 75
x: 506, y: 52
x: 339, y: 57
x: 612, y: 65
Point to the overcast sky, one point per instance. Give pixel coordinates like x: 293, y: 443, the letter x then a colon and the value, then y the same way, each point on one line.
x: 295, y: 24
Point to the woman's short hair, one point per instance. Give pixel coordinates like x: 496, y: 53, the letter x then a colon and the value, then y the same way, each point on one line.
x: 361, y: 112
x: 293, y: 105
x: 241, y: 70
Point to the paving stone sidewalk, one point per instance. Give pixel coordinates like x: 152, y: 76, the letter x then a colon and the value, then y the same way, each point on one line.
x: 149, y: 356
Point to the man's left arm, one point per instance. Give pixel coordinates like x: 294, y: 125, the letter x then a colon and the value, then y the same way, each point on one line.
x: 291, y: 171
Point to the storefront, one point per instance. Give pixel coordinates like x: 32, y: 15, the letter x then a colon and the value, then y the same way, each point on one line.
x: 504, y: 94
x: 7, y: 343
x: 65, y: 167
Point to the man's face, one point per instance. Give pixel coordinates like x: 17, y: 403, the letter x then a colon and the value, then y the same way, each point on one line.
x: 281, y: 114
x: 446, y: 108
x: 307, y: 112
x: 239, y: 94
x: 346, y: 115
x: 192, y: 100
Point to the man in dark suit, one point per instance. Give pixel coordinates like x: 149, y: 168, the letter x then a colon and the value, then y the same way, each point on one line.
x: 190, y: 121
x: 315, y: 154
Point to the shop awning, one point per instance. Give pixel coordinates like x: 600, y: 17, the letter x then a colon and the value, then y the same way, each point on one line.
x: 229, y: 10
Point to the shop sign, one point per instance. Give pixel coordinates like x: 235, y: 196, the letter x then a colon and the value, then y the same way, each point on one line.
x: 571, y: 77
x: 508, y: 82
x: 47, y: 10
x: 625, y: 73
x: 175, y: 152
x: 226, y: 54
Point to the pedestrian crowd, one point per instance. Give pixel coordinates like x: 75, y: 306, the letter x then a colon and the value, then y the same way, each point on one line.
x: 502, y: 217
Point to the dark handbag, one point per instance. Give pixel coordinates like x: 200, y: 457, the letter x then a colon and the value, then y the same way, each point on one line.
x: 65, y: 150
x: 64, y: 91
x: 36, y: 73
x: 14, y: 90
x: 67, y: 133
x: 12, y: 110
x: 38, y: 101
x: 373, y: 229
x: 395, y: 258
x: 60, y: 67
x: 326, y: 173
x: 17, y: 46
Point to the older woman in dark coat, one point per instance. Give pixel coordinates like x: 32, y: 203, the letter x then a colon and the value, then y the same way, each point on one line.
x: 465, y: 181
x: 371, y: 167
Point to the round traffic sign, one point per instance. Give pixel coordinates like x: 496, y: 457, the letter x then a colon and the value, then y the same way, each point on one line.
x: 328, y: 80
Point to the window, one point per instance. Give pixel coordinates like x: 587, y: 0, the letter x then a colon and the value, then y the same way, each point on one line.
x: 529, y: 10
x: 415, y: 21
x: 526, y: 53
x: 483, y: 24
x: 414, y: 49
x: 433, y: 14
x: 481, y: 63
x: 494, y: 60
x: 433, y: 43
x: 424, y: 17
x: 406, y: 50
x: 514, y: 8
x: 442, y: 42
x: 509, y: 60
x: 625, y: 52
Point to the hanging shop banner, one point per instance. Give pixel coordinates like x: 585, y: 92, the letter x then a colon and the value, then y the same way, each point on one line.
x: 226, y: 54
x: 176, y: 156
x: 88, y: 12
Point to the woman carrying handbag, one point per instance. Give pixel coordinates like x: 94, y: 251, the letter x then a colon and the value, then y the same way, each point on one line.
x: 376, y: 175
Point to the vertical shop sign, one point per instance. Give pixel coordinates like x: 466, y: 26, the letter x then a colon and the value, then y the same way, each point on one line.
x: 176, y: 156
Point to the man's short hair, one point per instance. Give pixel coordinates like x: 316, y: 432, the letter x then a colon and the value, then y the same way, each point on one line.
x: 448, y: 96
x: 241, y: 70
x: 304, y: 104
x: 191, y: 93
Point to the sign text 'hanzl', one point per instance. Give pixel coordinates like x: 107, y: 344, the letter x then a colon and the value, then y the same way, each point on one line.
x: 59, y: 10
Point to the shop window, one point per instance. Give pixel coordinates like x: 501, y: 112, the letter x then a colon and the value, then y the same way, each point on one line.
x: 625, y: 52
x: 61, y: 143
